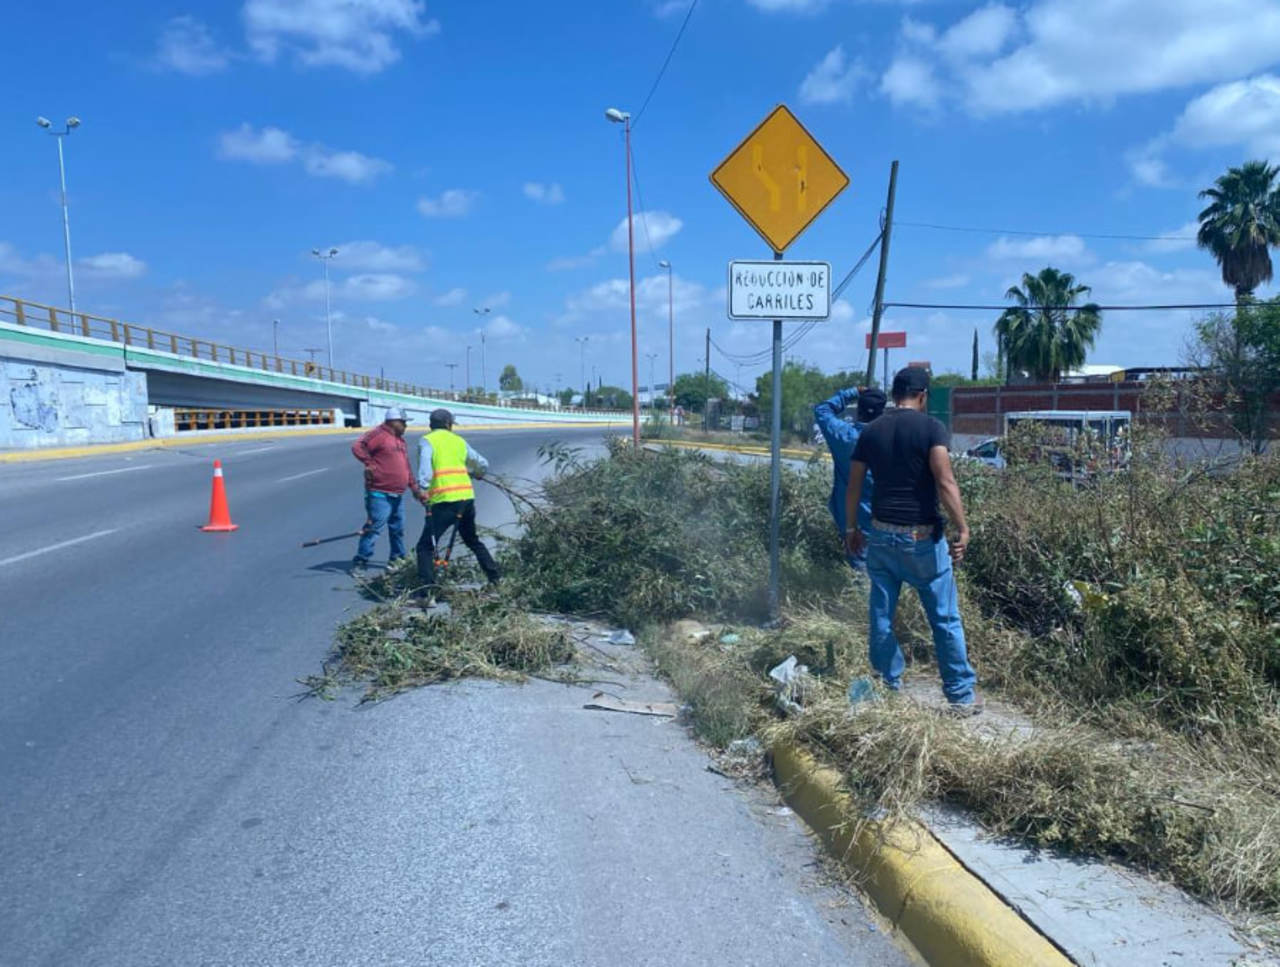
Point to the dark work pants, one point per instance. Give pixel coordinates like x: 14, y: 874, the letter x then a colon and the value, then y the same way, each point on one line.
x: 439, y: 519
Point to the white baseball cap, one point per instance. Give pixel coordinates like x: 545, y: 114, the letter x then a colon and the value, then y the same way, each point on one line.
x: 395, y: 413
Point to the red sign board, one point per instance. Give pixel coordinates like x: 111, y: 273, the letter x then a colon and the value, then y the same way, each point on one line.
x: 889, y: 340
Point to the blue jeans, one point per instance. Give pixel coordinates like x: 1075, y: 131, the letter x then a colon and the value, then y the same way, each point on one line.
x: 382, y: 509
x: 895, y: 559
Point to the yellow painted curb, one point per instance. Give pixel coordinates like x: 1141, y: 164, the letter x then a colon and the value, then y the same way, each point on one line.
x: 97, y: 449
x: 949, y: 915
x: 729, y: 448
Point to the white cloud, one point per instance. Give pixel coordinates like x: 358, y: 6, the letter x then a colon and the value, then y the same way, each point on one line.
x: 376, y: 287
x: 1150, y: 170
x: 910, y: 80
x: 660, y: 226
x: 12, y: 262
x: 358, y: 35
x: 503, y: 329
x: 380, y: 326
x: 1245, y: 113
x: 669, y: 8
x: 268, y: 146
x: 957, y: 281
x: 349, y: 166
x: 981, y: 34
x: 454, y: 297
x: 1047, y: 247
x: 550, y: 194
x: 1091, y: 51
x: 452, y: 203
x: 832, y: 80
x: 375, y: 257
x: 187, y: 46
x: 497, y: 300
x: 273, y: 146
x: 113, y: 265
x: 789, y: 6
x: 1178, y: 239
x: 563, y: 262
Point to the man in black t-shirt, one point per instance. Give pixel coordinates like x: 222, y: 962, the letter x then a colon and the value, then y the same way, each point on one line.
x: 906, y: 452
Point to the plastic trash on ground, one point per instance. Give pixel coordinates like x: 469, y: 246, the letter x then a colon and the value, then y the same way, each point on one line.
x: 795, y: 684
x: 622, y: 637
x: 862, y: 689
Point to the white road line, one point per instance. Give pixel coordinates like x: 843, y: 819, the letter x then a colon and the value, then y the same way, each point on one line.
x: 57, y: 547
x: 102, y: 473
x: 241, y: 453
x: 299, y: 476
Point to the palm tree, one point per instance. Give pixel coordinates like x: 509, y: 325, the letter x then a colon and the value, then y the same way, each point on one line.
x: 1241, y: 223
x: 1040, y: 334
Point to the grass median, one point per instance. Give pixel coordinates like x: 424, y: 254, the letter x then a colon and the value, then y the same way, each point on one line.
x: 1135, y: 620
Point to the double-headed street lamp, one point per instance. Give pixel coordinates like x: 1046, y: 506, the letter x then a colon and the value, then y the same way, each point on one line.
x: 71, y: 124
x: 324, y: 258
x: 484, y: 389
x: 623, y: 118
x: 582, y: 345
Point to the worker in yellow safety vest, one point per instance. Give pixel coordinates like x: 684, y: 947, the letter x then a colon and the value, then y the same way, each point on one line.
x: 445, y: 461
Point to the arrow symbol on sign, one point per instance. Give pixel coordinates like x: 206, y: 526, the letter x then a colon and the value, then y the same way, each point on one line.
x: 771, y: 186
x: 802, y: 176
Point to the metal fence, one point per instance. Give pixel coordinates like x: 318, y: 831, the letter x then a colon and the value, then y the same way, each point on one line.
x: 52, y: 319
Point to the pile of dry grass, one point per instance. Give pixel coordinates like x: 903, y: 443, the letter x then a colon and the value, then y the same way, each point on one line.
x: 393, y: 647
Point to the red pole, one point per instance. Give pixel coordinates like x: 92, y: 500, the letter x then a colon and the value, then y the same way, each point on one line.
x: 631, y: 259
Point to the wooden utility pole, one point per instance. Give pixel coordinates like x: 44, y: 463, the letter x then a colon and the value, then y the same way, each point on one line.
x: 878, y: 312
x: 706, y: 384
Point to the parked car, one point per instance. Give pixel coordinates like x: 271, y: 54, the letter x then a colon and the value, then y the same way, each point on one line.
x: 1078, y: 444
x: 988, y: 452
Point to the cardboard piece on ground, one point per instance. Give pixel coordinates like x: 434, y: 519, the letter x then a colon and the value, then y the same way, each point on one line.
x: 608, y: 703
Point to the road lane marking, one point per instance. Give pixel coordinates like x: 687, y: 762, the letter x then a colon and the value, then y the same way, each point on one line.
x: 102, y: 473
x: 57, y: 547
x: 299, y: 476
x: 241, y: 453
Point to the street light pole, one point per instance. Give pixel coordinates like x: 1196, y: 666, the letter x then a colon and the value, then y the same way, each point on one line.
x: 671, y: 345
x: 452, y: 367
x: 72, y: 124
x: 624, y: 118
x: 653, y: 393
x: 468, y: 386
x: 275, y: 337
x: 582, y: 345
x: 484, y: 389
x: 328, y: 315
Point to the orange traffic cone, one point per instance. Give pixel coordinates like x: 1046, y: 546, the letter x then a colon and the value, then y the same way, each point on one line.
x: 219, y: 515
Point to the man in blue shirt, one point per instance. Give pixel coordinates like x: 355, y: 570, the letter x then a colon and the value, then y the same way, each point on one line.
x: 841, y: 438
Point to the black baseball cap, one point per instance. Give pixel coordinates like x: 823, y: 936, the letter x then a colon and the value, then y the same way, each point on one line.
x: 870, y: 404
x: 441, y: 419
x: 910, y: 381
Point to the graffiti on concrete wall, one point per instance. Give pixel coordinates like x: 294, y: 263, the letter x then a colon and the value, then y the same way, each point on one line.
x: 34, y: 400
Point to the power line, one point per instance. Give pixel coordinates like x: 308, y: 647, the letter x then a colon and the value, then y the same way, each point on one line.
x: 644, y: 222
x: 666, y: 63
x: 1001, y: 308
x: 1014, y: 231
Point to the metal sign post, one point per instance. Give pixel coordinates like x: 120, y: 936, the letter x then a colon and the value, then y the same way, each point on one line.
x: 779, y: 179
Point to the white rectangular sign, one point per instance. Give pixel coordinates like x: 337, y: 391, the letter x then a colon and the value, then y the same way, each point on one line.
x: 779, y: 290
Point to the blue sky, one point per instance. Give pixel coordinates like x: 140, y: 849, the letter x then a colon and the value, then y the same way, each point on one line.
x: 457, y: 155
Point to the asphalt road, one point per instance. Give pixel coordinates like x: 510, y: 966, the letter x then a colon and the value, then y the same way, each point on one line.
x: 164, y: 799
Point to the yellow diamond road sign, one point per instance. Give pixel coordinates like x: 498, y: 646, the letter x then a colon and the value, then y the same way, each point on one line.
x: 779, y: 178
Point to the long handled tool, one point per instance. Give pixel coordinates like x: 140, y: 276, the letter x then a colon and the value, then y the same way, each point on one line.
x: 340, y: 537
x: 448, y: 551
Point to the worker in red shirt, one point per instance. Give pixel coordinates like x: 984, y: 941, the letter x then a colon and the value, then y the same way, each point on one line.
x: 387, y: 475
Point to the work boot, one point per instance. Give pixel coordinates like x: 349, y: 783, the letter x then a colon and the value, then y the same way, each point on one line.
x: 359, y: 565
x: 964, y: 710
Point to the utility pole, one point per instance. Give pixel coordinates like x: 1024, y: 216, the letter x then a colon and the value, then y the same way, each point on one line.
x: 653, y: 393
x: 468, y: 372
x: 452, y: 367
x: 275, y: 337
x: 884, y: 265
x: 706, y: 384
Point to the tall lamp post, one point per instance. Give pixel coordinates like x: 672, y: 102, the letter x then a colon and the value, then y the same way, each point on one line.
x: 275, y: 337
x: 653, y: 393
x: 582, y: 345
x: 484, y: 389
x: 624, y: 118
x: 325, y: 258
x: 671, y: 345
x: 71, y: 124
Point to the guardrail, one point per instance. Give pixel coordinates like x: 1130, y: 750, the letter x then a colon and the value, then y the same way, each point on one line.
x: 53, y: 319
